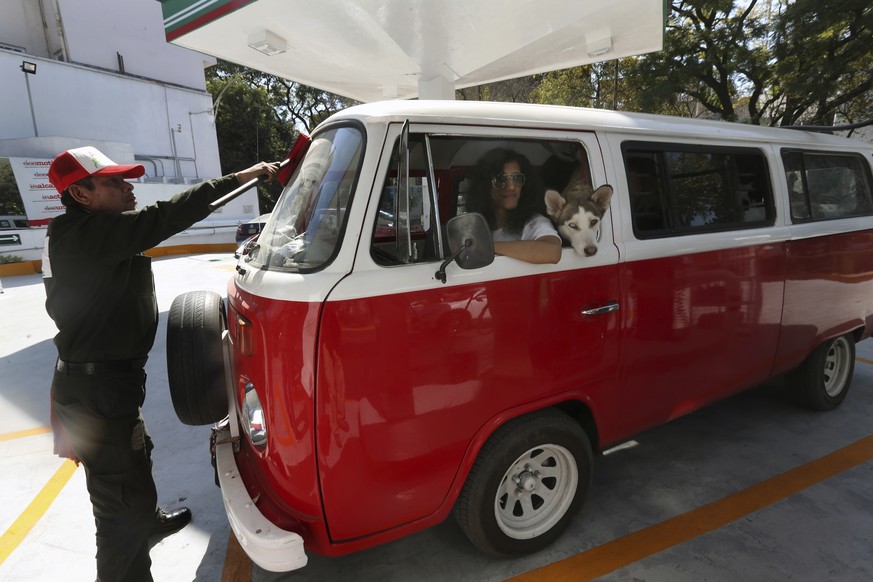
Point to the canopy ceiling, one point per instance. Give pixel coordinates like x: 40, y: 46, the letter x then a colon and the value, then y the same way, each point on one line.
x: 371, y: 50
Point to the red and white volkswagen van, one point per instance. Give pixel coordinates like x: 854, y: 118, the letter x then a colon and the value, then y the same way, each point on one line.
x: 382, y: 369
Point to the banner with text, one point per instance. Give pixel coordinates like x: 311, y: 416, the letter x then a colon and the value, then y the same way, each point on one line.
x: 41, y: 201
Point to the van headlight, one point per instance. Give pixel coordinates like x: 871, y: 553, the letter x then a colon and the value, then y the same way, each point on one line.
x: 254, y: 416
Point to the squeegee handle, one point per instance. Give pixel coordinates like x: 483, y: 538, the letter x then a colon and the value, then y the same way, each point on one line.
x: 235, y: 194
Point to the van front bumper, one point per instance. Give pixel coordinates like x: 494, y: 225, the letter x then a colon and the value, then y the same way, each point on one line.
x: 270, y: 547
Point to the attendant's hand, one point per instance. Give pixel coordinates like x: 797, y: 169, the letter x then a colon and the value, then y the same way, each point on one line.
x: 264, y: 170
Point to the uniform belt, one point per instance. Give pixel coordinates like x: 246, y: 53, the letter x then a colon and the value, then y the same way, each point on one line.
x: 114, y: 367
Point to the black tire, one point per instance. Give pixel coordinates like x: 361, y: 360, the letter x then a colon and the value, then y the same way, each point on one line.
x: 548, y: 457
x: 195, y: 359
x: 823, y: 380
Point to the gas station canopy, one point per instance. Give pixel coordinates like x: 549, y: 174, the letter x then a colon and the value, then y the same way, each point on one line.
x: 372, y: 50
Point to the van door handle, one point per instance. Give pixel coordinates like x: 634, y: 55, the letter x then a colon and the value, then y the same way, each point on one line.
x: 608, y: 308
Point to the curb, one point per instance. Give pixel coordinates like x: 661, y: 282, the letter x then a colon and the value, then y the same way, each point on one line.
x: 22, y: 268
x: 32, y: 267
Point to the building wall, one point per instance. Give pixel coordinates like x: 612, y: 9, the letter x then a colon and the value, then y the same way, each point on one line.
x: 95, y: 32
x: 154, y: 109
x: 22, y: 28
x: 169, y: 127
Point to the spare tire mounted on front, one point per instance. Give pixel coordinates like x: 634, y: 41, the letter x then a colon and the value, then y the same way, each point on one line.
x: 195, y: 358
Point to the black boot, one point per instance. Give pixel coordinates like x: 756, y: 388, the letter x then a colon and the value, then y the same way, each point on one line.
x: 169, y: 522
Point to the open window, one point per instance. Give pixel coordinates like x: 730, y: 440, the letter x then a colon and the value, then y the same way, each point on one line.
x: 441, y: 182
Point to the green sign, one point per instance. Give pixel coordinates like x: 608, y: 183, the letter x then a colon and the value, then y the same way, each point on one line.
x: 10, y: 239
x: 183, y: 16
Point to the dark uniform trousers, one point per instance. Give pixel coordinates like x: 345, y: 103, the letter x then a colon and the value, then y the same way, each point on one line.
x: 102, y: 418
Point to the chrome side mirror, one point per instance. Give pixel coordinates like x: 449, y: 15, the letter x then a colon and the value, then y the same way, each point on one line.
x: 469, y: 242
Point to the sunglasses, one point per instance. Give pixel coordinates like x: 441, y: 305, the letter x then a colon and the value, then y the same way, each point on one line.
x: 502, y: 180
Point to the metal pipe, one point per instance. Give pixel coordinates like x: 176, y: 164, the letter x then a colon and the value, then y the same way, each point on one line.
x: 30, y: 100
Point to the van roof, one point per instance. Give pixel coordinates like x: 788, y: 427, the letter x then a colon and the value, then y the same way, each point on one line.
x: 579, y: 118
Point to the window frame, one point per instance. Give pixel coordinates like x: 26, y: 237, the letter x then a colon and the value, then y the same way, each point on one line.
x: 667, y: 194
x: 803, y: 152
x: 431, y: 136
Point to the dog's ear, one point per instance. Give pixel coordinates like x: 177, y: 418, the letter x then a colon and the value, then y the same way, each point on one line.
x: 554, y: 203
x: 602, y: 196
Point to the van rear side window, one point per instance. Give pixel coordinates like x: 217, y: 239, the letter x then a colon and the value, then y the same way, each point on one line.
x: 826, y: 186
x: 678, y: 190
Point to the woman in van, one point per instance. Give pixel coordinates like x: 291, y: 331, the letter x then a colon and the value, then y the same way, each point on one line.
x: 507, y: 193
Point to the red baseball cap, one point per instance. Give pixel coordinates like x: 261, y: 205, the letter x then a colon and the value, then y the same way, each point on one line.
x: 73, y: 165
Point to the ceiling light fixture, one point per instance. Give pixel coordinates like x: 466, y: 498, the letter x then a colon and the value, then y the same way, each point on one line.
x: 599, y: 47
x: 267, y: 42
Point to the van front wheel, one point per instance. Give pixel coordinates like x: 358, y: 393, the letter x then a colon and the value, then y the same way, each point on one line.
x: 529, y: 480
x: 822, y: 381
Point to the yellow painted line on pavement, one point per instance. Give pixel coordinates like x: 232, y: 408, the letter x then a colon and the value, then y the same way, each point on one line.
x: 237, y: 565
x: 16, y: 533
x: 634, y: 547
x: 865, y: 360
x: 9, y: 436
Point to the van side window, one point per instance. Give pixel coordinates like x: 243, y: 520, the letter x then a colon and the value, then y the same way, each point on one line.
x: 825, y: 186
x: 441, y: 171
x: 676, y: 190
x: 423, y: 223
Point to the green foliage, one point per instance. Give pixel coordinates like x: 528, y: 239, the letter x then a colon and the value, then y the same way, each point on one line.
x: 10, y: 198
x: 248, y: 130
x: 9, y: 259
x: 776, y: 62
x: 713, y: 51
x: 574, y: 87
x: 823, y: 55
x: 511, y: 90
x: 257, y: 116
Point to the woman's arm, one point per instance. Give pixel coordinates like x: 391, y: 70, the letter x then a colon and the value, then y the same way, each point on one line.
x: 544, y: 250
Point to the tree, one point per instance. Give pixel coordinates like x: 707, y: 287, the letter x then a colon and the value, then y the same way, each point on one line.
x: 714, y: 51
x: 248, y: 130
x: 823, y: 59
x: 259, y: 115
x: 778, y: 62
x: 576, y: 87
x: 10, y: 198
x: 605, y: 85
x: 516, y: 90
x: 303, y: 106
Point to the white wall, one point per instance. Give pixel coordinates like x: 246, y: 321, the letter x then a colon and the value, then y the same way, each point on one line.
x: 78, y: 102
x: 93, y: 31
x: 155, y: 112
x: 21, y: 26
x: 131, y: 28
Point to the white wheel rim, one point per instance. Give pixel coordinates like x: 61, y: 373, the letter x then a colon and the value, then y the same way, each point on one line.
x: 536, y: 491
x: 836, y: 367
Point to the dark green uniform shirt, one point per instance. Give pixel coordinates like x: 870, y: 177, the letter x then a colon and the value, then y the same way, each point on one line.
x: 99, y: 286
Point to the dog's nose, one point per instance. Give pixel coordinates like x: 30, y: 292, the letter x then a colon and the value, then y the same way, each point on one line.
x: 590, y: 250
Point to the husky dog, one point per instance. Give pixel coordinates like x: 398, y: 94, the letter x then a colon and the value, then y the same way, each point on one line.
x: 578, y: 211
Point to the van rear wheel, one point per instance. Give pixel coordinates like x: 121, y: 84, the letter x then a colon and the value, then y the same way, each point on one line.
x: 529, y: 480
x: 823, y: 380
x: 195, y: 357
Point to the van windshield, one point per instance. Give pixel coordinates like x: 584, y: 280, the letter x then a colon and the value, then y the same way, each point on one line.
x: 305, y: 228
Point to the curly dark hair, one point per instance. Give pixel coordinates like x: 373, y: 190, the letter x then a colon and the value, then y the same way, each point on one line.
x: 530, y: 202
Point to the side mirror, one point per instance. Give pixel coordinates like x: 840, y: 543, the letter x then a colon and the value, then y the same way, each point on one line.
x: 470, y: 243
